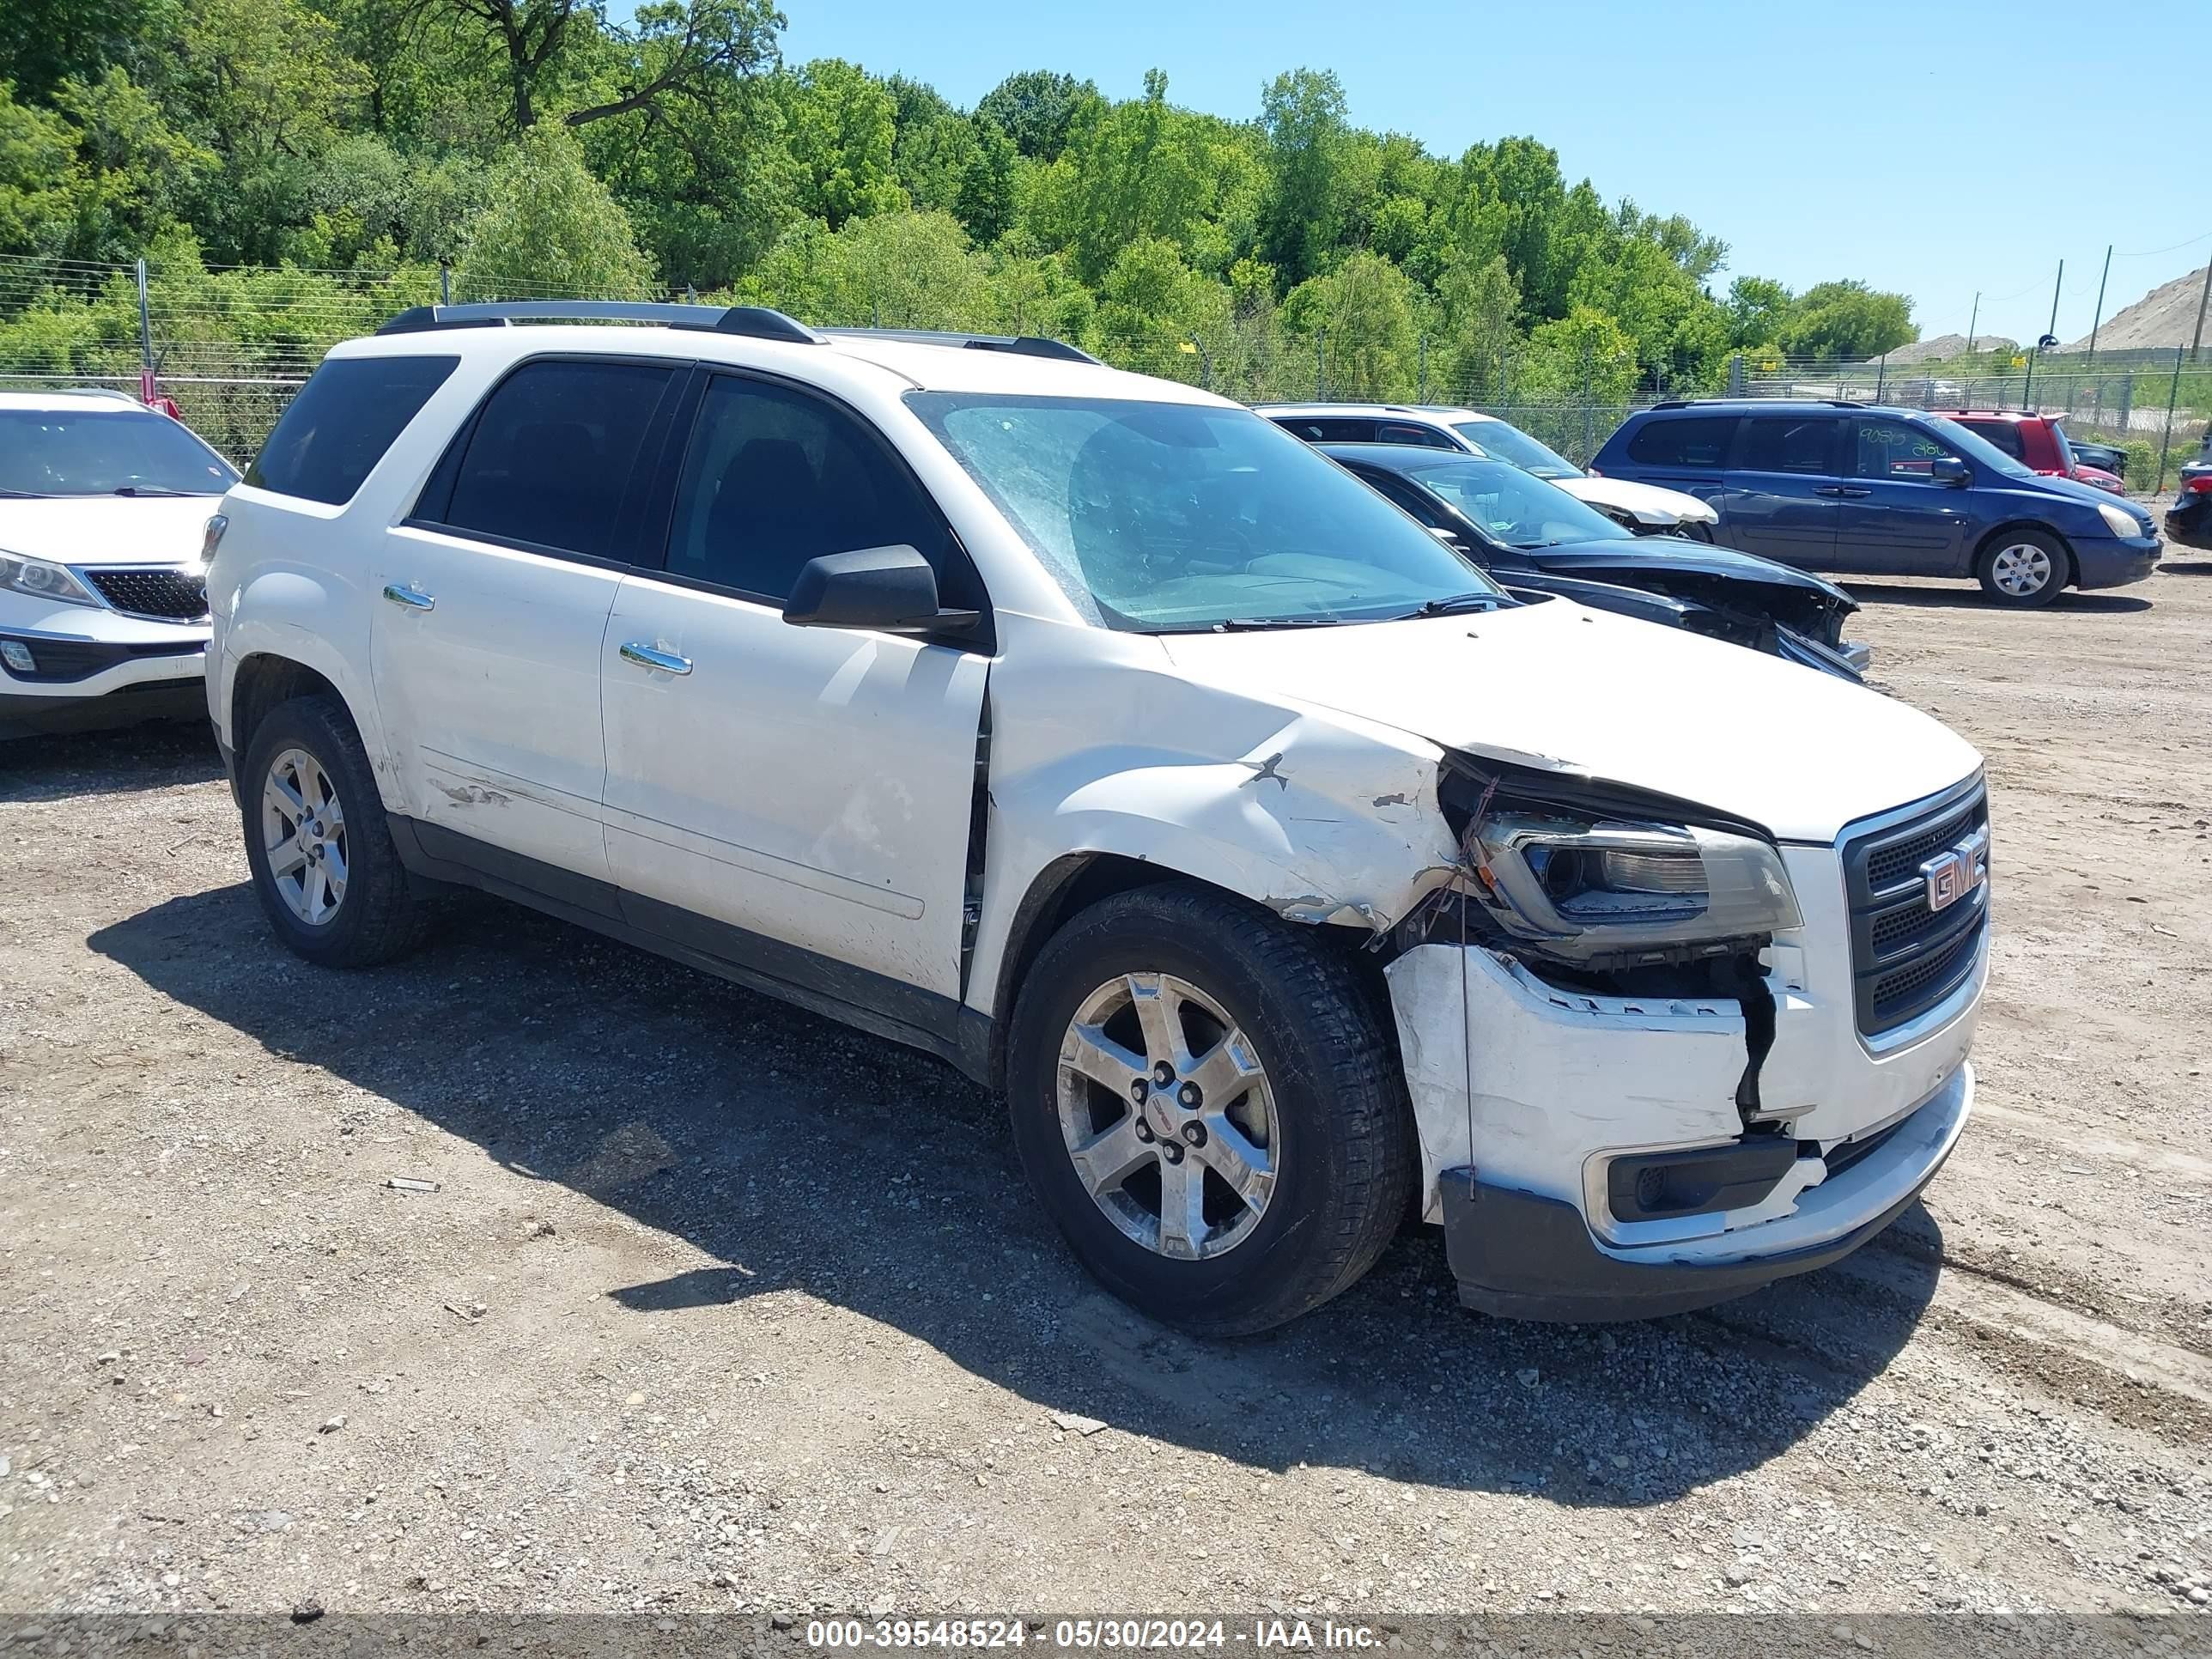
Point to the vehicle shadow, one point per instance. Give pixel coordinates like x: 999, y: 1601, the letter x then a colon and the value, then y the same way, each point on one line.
x: 160, y: 755
x: 2187, y: 568
x: 1965, y: 598
x: 796, y: 1154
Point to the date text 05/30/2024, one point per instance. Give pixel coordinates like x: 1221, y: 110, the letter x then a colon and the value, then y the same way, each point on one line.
x: 1088, y: 1635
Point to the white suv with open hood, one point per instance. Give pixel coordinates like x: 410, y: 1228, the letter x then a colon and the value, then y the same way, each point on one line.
x: 1094, y: 734
x: 104, y: 506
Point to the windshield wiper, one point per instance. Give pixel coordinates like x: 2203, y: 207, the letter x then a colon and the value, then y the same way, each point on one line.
x: 152, y: 489
x: 1457, y: 604
x: 1251, y: 624
x: 21, y: 495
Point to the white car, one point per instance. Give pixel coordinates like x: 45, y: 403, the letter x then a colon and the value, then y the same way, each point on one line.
x: 1644, y: 508
x: 104, y: 506
x: 1090, y: 733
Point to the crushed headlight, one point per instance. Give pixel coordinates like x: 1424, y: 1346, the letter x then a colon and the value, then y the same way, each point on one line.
x: 1584, y: 882
x: 42, y: 580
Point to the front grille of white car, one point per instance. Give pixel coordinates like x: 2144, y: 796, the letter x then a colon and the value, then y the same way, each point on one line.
x: 159, y: 594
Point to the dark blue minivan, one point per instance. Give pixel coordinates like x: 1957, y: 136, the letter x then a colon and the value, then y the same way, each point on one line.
x: 1867, y: 491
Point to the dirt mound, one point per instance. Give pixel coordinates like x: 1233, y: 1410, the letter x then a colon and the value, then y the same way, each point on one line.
x: 2167, y: 316
x: 1947, y: 346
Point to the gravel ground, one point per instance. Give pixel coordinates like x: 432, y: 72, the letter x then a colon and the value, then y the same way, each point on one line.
x: 715, y: 1304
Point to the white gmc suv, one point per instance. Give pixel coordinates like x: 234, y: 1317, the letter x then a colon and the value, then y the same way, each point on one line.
x: 1099, y: 737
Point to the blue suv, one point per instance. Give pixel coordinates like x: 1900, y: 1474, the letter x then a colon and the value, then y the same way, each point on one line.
x: 1867, y: 491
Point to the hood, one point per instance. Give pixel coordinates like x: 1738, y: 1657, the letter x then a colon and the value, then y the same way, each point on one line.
x: 1566, y: 689
x: 1661, y: 554
x: 1647, y: 502
x: 107, y: 529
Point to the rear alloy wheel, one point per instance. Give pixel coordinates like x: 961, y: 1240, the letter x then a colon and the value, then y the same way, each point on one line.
x: 303, y: 837
x: 1206, y: 1100
x: 2022, y: 569
x: 318, y: 842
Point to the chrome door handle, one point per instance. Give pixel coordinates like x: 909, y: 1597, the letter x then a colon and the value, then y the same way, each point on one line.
x: 652, y: 656
x: 405, y: 593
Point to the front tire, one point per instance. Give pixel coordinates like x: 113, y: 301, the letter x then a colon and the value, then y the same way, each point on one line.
x: 318, y: 842
x: 1206, y: 1100
x: 2023, y: 569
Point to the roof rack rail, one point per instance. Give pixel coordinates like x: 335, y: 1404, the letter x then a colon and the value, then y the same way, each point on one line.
x: 757, y: 322
x: 1696, y: 403
x: 1028, y: 345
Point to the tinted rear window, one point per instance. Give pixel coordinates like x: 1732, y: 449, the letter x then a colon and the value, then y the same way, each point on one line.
x: 1693, y: 440
x: 552, y: 451
x: 2003, y: 434
x: 344, y: 418
x: 1789, y: 443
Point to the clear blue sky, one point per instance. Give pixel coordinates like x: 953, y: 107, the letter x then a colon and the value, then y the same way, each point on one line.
x: 1936, y: 148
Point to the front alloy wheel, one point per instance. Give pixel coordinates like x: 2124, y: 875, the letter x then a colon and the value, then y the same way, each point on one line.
x: 303, y: 835
x: 1167, y: 1117
x: 2022, y: 570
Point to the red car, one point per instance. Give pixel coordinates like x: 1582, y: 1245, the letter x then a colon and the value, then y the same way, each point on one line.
x: 2037, y: 441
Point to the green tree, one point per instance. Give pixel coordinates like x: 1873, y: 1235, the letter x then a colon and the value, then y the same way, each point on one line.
x: 1362, y: 318
x: 550, y: 226
x: 1034, y: 109
x: 44, y: 43
x: 1584, y: 357
x: 1309, y: 142
x: 1846, y: 321
x: 1757, y: 307
x: 842, y: 123
x: 1478, y: 340
x: 38, y: 177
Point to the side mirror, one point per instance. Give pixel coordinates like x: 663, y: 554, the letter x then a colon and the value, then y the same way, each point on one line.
x: 1950, y: 471
x: 890, y: 589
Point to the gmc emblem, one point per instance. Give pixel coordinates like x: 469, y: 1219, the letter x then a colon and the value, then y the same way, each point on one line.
x: 1950, y: 876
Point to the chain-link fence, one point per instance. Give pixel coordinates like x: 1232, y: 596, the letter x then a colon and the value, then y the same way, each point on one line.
x: 229, y: 346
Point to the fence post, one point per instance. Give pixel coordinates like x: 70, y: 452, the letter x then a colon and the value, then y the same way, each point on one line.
x: 1320, y: 377
x: 146, y: 390
x: 1589, y: 416
x: 1421, y: 374
x: 2165, y: 440
x: 1880, y: 376
x: 444, y: 283
x: 2127, y: 400
x: 1736, y: 377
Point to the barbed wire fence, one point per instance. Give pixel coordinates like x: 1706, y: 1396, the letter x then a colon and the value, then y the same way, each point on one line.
x: 230, y: 345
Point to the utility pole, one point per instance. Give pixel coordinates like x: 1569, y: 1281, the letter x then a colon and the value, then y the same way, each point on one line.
x: 2098, y: 321
x: 2050, y: 332
x: 2207, y: 295
x: 1973, y: 317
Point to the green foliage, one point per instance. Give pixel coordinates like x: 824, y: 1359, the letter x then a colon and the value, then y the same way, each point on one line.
x: 1034, y: 109
x: 548, y: 224
x: 565, y: 146
x: 1847, y: 321
x: 842, y: 124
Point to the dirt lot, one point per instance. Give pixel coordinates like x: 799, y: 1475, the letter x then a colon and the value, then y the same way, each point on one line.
x: 717, y: 1304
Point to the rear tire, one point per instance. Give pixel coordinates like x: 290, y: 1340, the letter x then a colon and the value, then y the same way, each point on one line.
x: 1270, y: 1169
x: 318, y: 842
x: 2023, y: 569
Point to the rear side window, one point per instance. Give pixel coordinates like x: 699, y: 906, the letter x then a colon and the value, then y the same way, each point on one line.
x: 1401, y: 432
x: 1693, y: 441
x: 1788, y: 444
x: 345, y: 417
x: 2003, y: 434
x: 549, y: 458
x: 1330, y: 431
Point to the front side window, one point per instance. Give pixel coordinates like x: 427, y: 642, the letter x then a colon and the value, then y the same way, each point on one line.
x: 774, y: 477
x: 1511, y: 443
x: 1787, y: 443
x: 331, y: 435
x: 1159, y: 517
x: 105, y: 452
x: 1894, y: 451
x: 1690, y: 440
x: 551, y: 454
x: 1515, y: 508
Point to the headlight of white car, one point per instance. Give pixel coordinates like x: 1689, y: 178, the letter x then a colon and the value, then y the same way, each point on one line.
x: 42, y: 580
x: 1586, y: 888
x: 2119, y: 520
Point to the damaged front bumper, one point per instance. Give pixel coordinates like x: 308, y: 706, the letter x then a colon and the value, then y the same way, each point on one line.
x: 1588, y: 1154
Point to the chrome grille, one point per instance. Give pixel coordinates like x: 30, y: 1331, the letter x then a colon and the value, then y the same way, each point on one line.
x: 161, y: 594
x: 1906, y: 958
